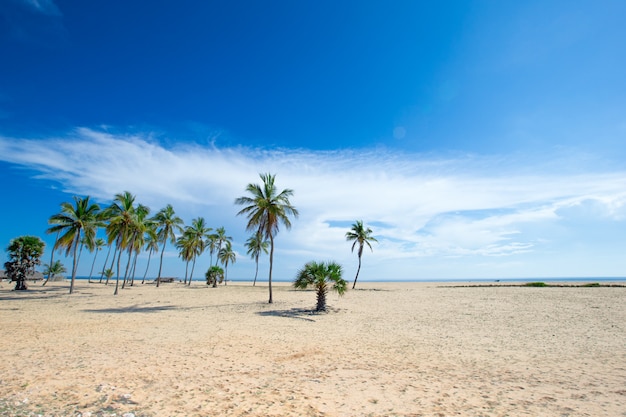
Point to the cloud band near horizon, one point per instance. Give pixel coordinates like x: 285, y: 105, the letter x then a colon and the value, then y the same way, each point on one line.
x: 421, y: 207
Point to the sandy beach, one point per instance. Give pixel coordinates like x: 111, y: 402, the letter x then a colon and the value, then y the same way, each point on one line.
x: 386, y: 349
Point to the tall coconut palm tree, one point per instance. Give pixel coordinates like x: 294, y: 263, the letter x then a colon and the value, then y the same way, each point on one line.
x: 256, y: 244
x: 136, y: 231
x: 184, y: 244
x: 199, y: 234
x: 361, y: 236
x: 226, y: 256
x: 211, y: 244
x: 265, y: 208
x: 168, y: 223
x: 120, y: 216
x: 220, y: 240
x: 97, y: 246
x: 74, y: 222
x: 320, y: 275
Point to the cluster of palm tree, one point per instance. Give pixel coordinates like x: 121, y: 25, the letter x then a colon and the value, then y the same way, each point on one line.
x: 197, y: 239
x: 129, y: 230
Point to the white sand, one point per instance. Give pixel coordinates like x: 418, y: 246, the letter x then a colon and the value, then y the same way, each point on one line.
x: 387, y: 349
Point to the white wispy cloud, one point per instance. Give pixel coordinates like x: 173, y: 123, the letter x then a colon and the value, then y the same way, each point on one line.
x: 422, y: 208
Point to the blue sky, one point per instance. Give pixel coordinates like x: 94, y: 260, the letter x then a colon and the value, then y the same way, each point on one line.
x: 477, y: 139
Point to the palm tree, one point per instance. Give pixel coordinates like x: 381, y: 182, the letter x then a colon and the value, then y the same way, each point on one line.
x: 220, y: 238
x: 74, y: 222
x: 226, y: 256
x: 97, y: 246
x: 24, y: 254
x: 265, y: 209
x: 359, y: 234
x: 167, y: 226
x: 199, y: 234
x: 211, y: 244
x: 256, y: 244
x: 184, y: 243
x: 53, y: 270
x: 108, y: 273
x: 137, y: 230
x: 320, y: 275
x: 214, y: 275
x: 120, y: 215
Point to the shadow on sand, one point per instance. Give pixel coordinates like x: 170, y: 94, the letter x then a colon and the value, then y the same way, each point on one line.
x: 132, y: 309
x: 34, y: 293
x: 292, y: 313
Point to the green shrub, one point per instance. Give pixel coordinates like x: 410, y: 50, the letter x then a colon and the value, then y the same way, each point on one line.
x: 536, y: 284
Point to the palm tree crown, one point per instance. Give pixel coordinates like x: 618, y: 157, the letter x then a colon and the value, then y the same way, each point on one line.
x: 74, y: 222
x: 266, y: 208
x: 361, y: 236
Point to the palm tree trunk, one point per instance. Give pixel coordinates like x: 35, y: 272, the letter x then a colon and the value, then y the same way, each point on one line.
x: 75, y: 262
x: 127, y: 270
x: 52, y: 257
x: 133, y: 269
x: 217, y: 258
x: 186, y: 272
x: 256, y: 271
x: 321, y: 298
x: 104, y: 266
x: 113, y: 260
x: 161, y: 264
x: 92, y: 265
x: 193, y: 266
x: 147, y: 266
x: 357, y: 273
x: 117, y: 278
x: 271, y: 264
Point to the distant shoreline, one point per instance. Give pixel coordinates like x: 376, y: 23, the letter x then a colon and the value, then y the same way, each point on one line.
x: 500, y: 281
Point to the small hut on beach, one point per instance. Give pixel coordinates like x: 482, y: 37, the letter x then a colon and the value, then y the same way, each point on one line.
x: 35, y: 276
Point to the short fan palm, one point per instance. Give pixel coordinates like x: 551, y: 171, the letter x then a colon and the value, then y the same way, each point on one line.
x: 214, y: 275
x: 323, y: 276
